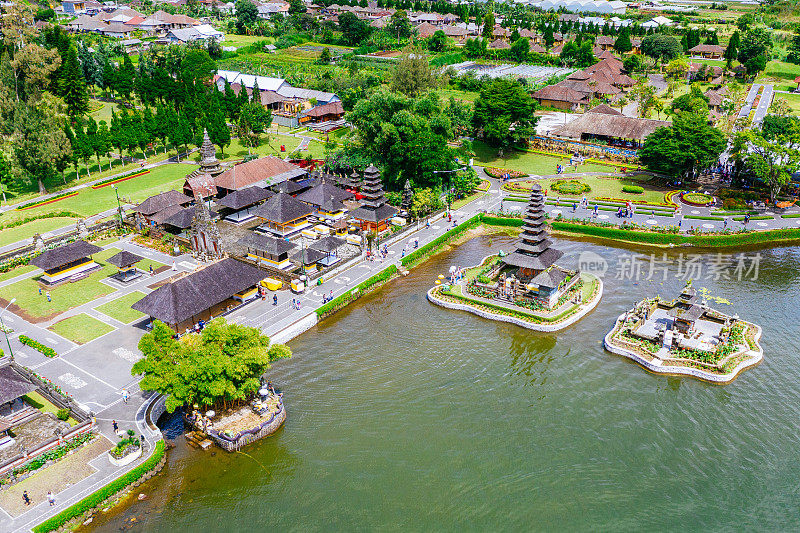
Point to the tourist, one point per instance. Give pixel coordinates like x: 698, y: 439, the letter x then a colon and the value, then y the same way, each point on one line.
x: 48, y: 297
x: 331, y: 296
x: 725, y: 223
x: 125, y: 394
x: 595, y: 210
x: 114, y: 425
x: 25, y: 497
x: 427, y: 224
x: 40, y: 291
x: 574, y: 207
x: 51, y: 498
x: 151, y: 271
x: 298, y: 304
x: 449, y: 217
x: 274, y: 299
x: 294, y: 303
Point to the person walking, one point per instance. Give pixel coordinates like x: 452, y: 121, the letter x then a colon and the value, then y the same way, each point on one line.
x: 595, y: 209
x: 48, y: 297
x: 274, y: 299
x: 151, y: 270
x: 125, y: 395
x: 114, y: 425
x: 25, y: 497
x: 294, y: 304
x: 50, y: 498
x: 725, y: 223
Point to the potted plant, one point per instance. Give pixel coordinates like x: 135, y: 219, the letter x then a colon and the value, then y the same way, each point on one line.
x: 127, y: 450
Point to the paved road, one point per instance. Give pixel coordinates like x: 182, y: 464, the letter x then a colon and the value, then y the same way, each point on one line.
x: 763, y: 105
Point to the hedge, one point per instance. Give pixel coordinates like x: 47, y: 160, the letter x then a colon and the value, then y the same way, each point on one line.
x: 704, y: 241
x: 101, y: 495
x: 502, y: 221
x: 793, y: 215
x: 116, y: 179
x: 699, y: 217
x: 429, y: 248
x: 344, y: 299
x: 48, y: 201
x: 55, y: 214
x: 759, y: 217
x: 635, y: 189
x: 38, y: 346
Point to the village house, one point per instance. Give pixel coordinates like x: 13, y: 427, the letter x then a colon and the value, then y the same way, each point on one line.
x: 707, y: 51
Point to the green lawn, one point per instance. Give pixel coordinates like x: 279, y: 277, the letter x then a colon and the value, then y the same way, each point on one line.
x: 237, y: 151
x: 781, y: 74
x: 81, y: 328
x: 465, y: 96
x: 611, y: 188
x: 41, y: 403
x: 13, y: 273
x: 104, y: 111
x: 792, y: 99
x: 57, y: 184
x: 64, y: 296
x: 92, y: 201
x: 29, y: 229
x: 243, y: 40
x: 120, y: 308
x: 528, y: 162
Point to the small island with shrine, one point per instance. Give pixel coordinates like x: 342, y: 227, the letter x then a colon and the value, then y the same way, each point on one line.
x: 525, y: 287
x: 685, y: 336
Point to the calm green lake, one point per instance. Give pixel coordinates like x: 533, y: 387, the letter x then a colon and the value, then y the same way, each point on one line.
x: 407, y: 416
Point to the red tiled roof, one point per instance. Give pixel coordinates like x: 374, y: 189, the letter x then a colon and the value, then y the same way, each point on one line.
x: 246, y: 174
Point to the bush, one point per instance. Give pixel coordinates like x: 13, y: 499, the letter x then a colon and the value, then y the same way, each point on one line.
x: 429, y: 248
x: 38, y: 346
x: 62, y: 414
x: 570, y: 187
x: 98, y: 497
x: 47, y: 201
x: 634, y: 189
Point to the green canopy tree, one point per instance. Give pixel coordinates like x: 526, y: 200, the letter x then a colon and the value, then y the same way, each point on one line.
x: 125, y: 78
x: 519, y: 50
x: 437, y: 41
x: 82, y: 148
x: 754, y: 49
x: 503, y: 114
x: 220, y: 368
x: 413, y: 74
x: 768, y: 160
x: 732, y: 50
x: 688, y: 145
x: 72, y: 85
x: 623, y: 42
x: 217, y: 128
x: 661, y: 47
x: 354, y: 30
x: 246, y: 14
x: 399, y: 26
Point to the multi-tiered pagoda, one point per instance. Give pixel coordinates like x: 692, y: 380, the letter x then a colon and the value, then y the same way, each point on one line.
x: 373, y: 213
x: 533, y: 254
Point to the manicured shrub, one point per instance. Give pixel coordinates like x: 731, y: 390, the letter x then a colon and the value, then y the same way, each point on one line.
x: 38, y: 346
x: 62, y: 414
x: 570, y: 187
x: 344, y: 299
x: 633, y: 189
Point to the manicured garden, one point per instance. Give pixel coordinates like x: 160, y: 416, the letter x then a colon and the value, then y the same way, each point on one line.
x: 81, y: 328
x: 120, y: 309
x: 528, y: 162
x: 90, y: 201
x: 29, y: 229
x: 64, y: 296
x: 598, y: 187
x: 20, y: 270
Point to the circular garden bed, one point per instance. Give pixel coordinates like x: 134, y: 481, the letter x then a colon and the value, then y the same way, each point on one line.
x: 570, y: 187
x: 698, y: 199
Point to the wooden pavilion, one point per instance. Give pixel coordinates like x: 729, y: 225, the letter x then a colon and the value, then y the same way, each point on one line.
x: 201, y: 295
x: 66, y: 261
x: 267, y: 250
x: 125, y: 262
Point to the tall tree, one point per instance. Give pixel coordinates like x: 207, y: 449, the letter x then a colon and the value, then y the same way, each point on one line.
x: 623, y: 43
x: 504, y: 113
x: 221, y: 367
x: 413, y: 74
x: 661, y: 47
x: 72, y: 85
x: 125, y: 78
x: 754, y: 49
x: 770, y: 161
x: 688, y: 145
x: 354, y: 30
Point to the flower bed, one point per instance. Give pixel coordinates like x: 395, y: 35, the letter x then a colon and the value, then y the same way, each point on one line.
x: 48, y: 201
x: 484, y: 186
x: 55, y: 454
x: 573, y: 187
x: 38, y: 346
x: 504, y: 173
x: 118, y: 179
x: 697, y: 199
x: 635, y: 202
x: 669, y: 199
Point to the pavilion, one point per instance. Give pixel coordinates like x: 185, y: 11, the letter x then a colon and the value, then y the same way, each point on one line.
x: 156, y: 209
x: 268, y: 250
x: 599, y: 124
x: 66, y: 261
x: 328, y: 200
x: 284, y: 216
x: 242, y: 201
x: 201, y: 295
x: 125, y: 262
x: 373, y: 213
x: 328, y: 245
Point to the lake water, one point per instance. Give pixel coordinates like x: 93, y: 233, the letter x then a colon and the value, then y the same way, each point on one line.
x: 404, y: 415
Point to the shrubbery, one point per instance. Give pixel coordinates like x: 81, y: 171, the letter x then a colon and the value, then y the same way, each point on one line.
x: 38, y: 346
x: 570, y: 187
x: 344, y: 299
x: 634, y: 189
